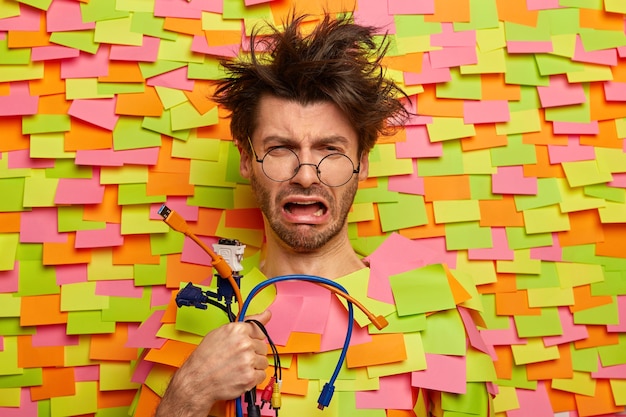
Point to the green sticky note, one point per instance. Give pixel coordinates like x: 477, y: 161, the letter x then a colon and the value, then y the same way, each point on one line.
x: 468, y: 87
x: 483, y: 15
x: 529, y: 100
x: 147, y: 275
x: 481, y: 186
x: 606, y: 314
x: 70, y: 219
x: 32, y: 71
x: 82, y: 296
x: 489, y: 315
x: 170, y: 97
x: 597, y: 39
x: 383, y: 162
x: 522, y: 69
x: 234, y: 9
x: 321, y: 365
x: 9, y: 243
x: 467, y: 235
x: 151, y: 25
x: 591, y: 73
x: 612, y: 160
x: 473, y: 402
x: 37, y: 279
x: 479, y: 366
x: 548, y: 323
x: 88, y: 322
x: 197, y: 321
x: 446, y: 128
x: 209, y: 69
x: 101, y: 10
x: 516, y: 152
x: 128, y: 134
x: 84, y: 88
x: 106, y: 88
x: 101, y: 267
x: 8, y: 358
x: 613, y: 284
x: 584, y: 360
x: 116, y: 376
x: 521, y: 264
x: 378, y: 194
x: 517, y: 32
x: 444, y: 334
x: 408, y: 211
x: 29, y: 252
x: 137, y: 194
x: 128, y: 309
x: 66, y: 168
x: 197, y: 148
x: 615, y: 354
x: 534, y: 351
x: 580, y: 173
x: 579, y: 383
x: 167, y: 243
x: 422, y: 290
x: 479, y: 162
x: 574, y: 198
x: 13, y: 56
x: 414, y: 25
x: 561, y: 21
x: 401, y: 324
x: 84, y: 401
x: 487, y: 62
x: 160, y: 66
x: 83, y: 40
x: 212, y: 197
x: 450, y: 162
x: 44, y: 123
x: 185, y: 116
x: 163, y: 124
x: 545, y: 220
x: 49, y: 145
x: 574, y: 274
x: 232, y: 169
x: 451, y: 211
x: 211, y: 173
x: 613, y: 213
x: 128, y: 174
x: 30, y: 377
x: 136, y: 220
x: 179, y: 50
x: 548, y: 278
x: 117, y: 31
x: 547, y: 194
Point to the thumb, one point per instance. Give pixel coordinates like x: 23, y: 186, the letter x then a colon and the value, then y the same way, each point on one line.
x: 263, y: 317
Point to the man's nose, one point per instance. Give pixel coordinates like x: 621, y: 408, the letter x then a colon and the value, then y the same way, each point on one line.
x: 306, y: 175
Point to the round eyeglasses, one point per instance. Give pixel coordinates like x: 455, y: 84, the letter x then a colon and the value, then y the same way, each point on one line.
x: 281, y: 164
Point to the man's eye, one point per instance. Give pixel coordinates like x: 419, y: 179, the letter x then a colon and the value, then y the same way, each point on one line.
x: 279, y: 150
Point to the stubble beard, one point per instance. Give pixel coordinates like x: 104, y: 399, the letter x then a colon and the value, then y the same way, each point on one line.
x: 304, y: 238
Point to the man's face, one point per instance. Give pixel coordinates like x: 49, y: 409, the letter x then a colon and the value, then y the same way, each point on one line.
x: 303, y: 213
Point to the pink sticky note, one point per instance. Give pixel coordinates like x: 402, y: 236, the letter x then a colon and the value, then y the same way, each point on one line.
x: 80, y: 190
x: 334, y: 334
x: 161, y: 295
x: 29, y: 20
x: 527, y: 47
x: 511, y: 180
x: 621, y: 51
x: 285, y: 310
x: 22, y: 159
x: 571, y: 331
x: 443, y: 373
x: 532, y: 402
x: 375, y: 13
x: 429, y: 73
x: 65, y: 15
x: 619, y: 180
x: 610, y: 372
x: 9, y: 280
x: 552, y: 253
x: 53, y: 335
x: 87, y: 373
x: 145, y: 336
x: 575, y: 128
x: 194, y: 254
x: 600, y: 57
x: 141, y: 372
x: 99, y: 112
x: 110, y: 157
x: 473, y: 334
x: 179, y: 205
x: 147, y: 52
x: 485, y: 111
x: 315, y: 304
x: 189, y: 9
x: 100, y: 238
x: 614, y: 91
x: 19, y: 102
x: 574, y: 151
x: 71, y: 274
x: 41, y: 225
x: 44, y: 53
x: 173, y: 79
x: 409, y: 7
x: 542, y: 4
x: 561, y: 93
x: 408, y: 184
x: 27, y: 408
x: 449, y: 37
x: 200, y: 45
x: 502, y: 337
x: 418, y: 144
x: 119, y: 288
x: 621, y: 308
x: 394, y: 392
x: 500, y: 250
x: 453, y: 57
x: 87, y: 65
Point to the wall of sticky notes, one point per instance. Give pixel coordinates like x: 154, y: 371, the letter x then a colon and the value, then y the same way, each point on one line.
x: 513, y: 171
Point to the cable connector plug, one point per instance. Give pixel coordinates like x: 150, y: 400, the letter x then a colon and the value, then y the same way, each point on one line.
x: 276, y: 398
x: 380, y: 322
x: 173, y: 219
x: 268, y: 391
x: 325, y: 396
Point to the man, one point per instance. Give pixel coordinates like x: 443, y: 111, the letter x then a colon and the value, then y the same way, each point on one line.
x: 305, y: 112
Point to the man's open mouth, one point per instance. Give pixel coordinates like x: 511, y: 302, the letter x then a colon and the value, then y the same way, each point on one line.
x: 306, y: 208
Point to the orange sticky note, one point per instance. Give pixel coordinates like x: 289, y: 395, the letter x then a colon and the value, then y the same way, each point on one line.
x: 459, y: 293
x: 168, y: 183
x: 430, y: 105
x: 53, y: 104
x: 601, y: 402
x: 10, y: 222
x: 514, y: 303
x: 494, y: 87
x: 30, y: 356
x: 107, y: 211
x: 299, y: 342
x: 65, y: 253
x: 597, y: 336
x: 12, y: 137
x: 607, y: 136
x: 556, y: 368
x: 123, y: 72
x: 382, y: 349
x: 613, y: 244
x: 450, y: 11
x: 178, y: 272
x: 584, y: 300
x: 117, y: 398
x: 543, y: 168
x: 147, y: 103
x: 135, y: 250
x: 246, y: 218
x: 485, y: 138
x: 57, y: 382
x: 199, y: 97
x: 41, y: 310
x: 600, y: 109
x: 173, y: 353
x: 222, y: 37
x: 110, y: 346
x: 516, y: 12
x: 561, y: 401
x: 503, y: 213
x: 182, y: 25
x: 147, y: 403
x: 29, y: 39
x: 167, y: 163
x: 452, y: 187
x: 75, y: 139
x: 51, y: 83
x: 585, y: 228
x: 600, y: 19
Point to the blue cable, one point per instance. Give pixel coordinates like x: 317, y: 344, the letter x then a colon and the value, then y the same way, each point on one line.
x: 329, y: 387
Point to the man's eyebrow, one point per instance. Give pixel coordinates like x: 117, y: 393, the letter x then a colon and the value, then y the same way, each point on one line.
x: 334, y: 139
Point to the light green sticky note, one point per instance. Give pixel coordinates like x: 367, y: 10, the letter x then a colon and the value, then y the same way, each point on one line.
x: 521, y: 264
x: 66, y: 168
x: 580, y: 173
x: 561, y: 20
x: 468, y: 235
x: 116, y: 376
x: 481, y: 272
x: 10, y: 326
x: 401, y: 324
x: 615, y: 6
x: 163, y: 124
x: 128, y: 134
x: 584, y: 360
x: 147, y: 275
x: 357, y: 284
x: 413, y: 44
x: 128, y: 309
x: 361, y: 382
x: 422, y: 290
x: 545, y: 220
x: 83, y: 40
x: 6, y: 172
x: 528, y: 100
x: 160, y: 66
x: 135, y: 5
x: 574, y: 274
x: 9, y: 8
x: 321, y: 366
x: 84, y: 401
x: 30, y: 377
x: 361, y: 212
x: 613, y: 284
x: 450, y: 163
x: 32, y: 71
x: 306, y: 405
x: 547, y: 279
x: 101, y: 267
x: 473, y: 402
x: 408, y: 211
x: 9, y: 243
x: 212, y: 197
x: 516, y: 152
x: 168, y: 331
x: 610, y: 159
x: 215, y: 21
x: 553, y: 64
x: 383, y: 162
x: 378, y: 194
x: 479, y: 366
x: 615, y: 354
x: 580, y: 383
x: 211, y: 173
x: 606, y: 314
x: 575, y: 199
x: 83, y: 88
x: 185, y: 116
x: 451, y: 211
x: 151, y: 25
x: 200, y: 321
x: 582, y: 4
x: 487, y: 62
x: 446, y: 128
x: 10, y: 397
x: 101, y: 10
x: 490, y: 316
x: 9, y: 305
x: 414, y: 25
x: 70, y: 219
x: 8, y: 358
x: 82, y: 296
x: 415, y: 361
x: 548, y: 323
x: 591, y: 73
x: 136, y: 220
x: 170, y: 97
x: 613, y: 213
x: 49, y: 145
x: 44, y: 123
x: 179, y: 50
x: 579, y: 113
x: 13, y: 56
x: 88, y: 322
x: 597, y: 39
x: 37, y: 279
x: 548, y: 193
x: 137, y: 194
x: 209, y: 69
x: 520, y: 121
x: 197, y: 148
x: 158, y: 379
x: 477, y: 163
x: 483, y: 15
x: 492, y: 38
x: 534, y: 351
x: 518, y: 32
x: 128, y: 174
x: 444, y: 334
x: 522, y: 69
x: 106, y: 88
x: 166, y: 243
x: 468, y: 87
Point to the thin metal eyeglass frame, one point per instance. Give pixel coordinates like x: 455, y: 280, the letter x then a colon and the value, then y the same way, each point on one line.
x: 295, y: 172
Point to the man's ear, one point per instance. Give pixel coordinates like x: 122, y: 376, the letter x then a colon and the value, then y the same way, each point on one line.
x: 365, y: 165
x: 244, y: 161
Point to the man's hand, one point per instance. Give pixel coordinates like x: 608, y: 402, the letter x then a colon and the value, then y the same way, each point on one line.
x: 229, y: 361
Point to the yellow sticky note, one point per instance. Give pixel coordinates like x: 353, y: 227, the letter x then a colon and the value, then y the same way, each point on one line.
x: 78, y: 355
x: 545, y: 219
x: 591, y: 73
x: 550, y: 297
x: 613, y: 213
x: 10, y: 397
x: 8, y: 243
x: 10, y: 73
x: 361, y: 212
x: 479, y: 366
x: 9, y: 305
x: 478, y: 162
x: 136, y: 220
x: 505, y: 400
x: 116, y: 376
x: 522, y: 121
x: 179, y: 50
x: 521, y: 264
x: 85, y: 401
x: 39, y: 191
x: 8, y: 357
x: 618, y: 388
x: 170, y: 97
x: 82, y: 296
x: 575, y: 199
x: 215, y: 21
x: 128, y: 174
x: 491, y: 39
x: 610, y: 159
x: 197, y: 148
x: 185, y: 116
x: 383, y: 162
x: 579, y: 173
x: 361, y: 382
x: 415, y: 361
x: 489, y: 62
x: 101, y: 267
x: 83, y: 88
x: 534, y: 351
x: 573, y: 274
x: 450, y: 211
x: 482, y: 272
x: 581, y: 383
x: 117, y: 31
x: 49, y: 145
x: 447, y: 128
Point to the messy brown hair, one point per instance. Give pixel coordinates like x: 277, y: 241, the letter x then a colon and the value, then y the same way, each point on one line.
x: 339, y: 61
